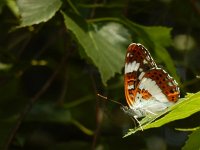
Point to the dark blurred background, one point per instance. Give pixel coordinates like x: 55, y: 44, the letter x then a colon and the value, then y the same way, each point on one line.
x: 48, y: 83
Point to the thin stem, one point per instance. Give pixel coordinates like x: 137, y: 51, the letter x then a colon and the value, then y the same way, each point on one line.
x: 98, y: 114
x: 73, y: 7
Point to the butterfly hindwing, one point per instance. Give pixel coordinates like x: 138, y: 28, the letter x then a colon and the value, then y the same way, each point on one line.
x: 160, y: 85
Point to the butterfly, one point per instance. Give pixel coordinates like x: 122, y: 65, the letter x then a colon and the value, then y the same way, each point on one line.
x: 148, y: 88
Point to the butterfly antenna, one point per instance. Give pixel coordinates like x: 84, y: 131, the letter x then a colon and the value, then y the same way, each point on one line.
x: 106, y: 98
x: 135, y: 118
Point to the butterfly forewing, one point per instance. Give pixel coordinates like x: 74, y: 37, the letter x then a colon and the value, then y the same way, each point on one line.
x: 138, y: 61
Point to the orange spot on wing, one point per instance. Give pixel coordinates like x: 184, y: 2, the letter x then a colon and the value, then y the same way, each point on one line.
x: 173, y: 96
x: 145, y: 94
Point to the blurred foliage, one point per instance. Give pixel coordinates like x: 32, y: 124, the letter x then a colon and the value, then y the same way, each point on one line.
x: 55, y: 56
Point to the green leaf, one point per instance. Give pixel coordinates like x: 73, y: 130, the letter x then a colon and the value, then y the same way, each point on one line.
x: 37, y: 11
x: 13, y: 7
x: 150, y: 35
x: 155, y: 38
x: 105, y: 45
x: 184, y: 108
x: 160, y: 35
x: 193, y: 141
x: 161, y: 38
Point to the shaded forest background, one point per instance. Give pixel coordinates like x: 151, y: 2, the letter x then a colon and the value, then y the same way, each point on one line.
x: 55, y: 56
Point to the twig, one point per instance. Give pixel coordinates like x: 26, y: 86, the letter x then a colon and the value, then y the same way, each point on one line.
x: 98, y: 114
x: 64, y: 88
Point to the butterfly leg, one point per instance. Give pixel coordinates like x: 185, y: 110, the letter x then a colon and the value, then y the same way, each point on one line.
x: 150, y: 112
x: 135, y: 118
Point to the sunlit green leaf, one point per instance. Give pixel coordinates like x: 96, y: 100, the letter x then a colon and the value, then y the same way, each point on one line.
x: 185, y: 108
x: 37, y: 11
x: 13, y: 7
x: 105, y: 45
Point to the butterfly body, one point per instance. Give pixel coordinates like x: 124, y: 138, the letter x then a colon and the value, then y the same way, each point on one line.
x: 148, y: 88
